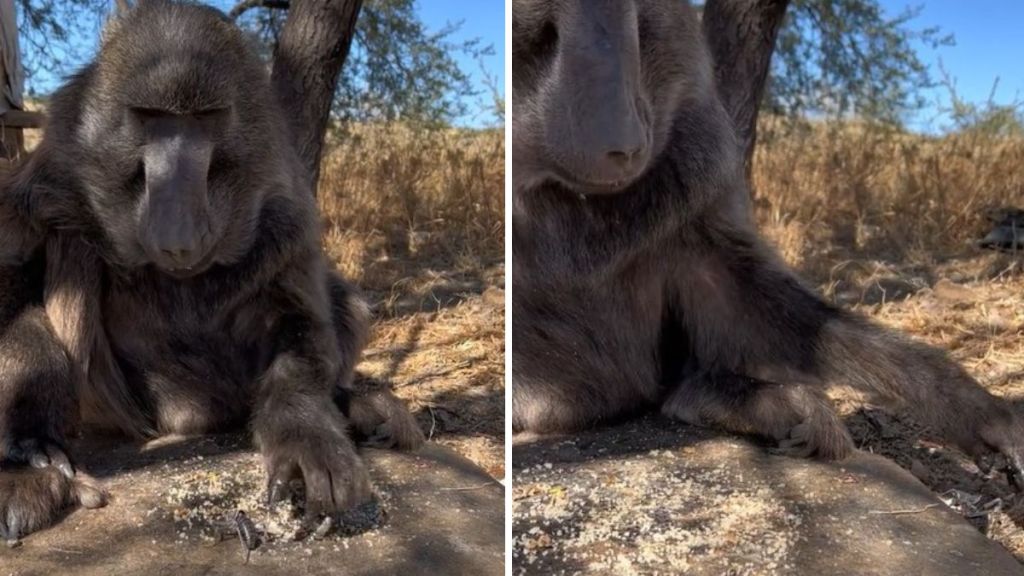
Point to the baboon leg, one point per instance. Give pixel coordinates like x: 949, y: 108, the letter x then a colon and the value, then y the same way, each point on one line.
x: 571, y: 404
x: 377, y: 417
x: 788, y: 329
x: 937, y: 390
x: 797, y: 416
x: 37, y: 396
x: 351, y: 317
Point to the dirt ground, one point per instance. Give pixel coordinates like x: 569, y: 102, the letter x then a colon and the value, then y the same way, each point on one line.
x: 970, y: 305
x: 416, y: 220
x: 439, y: 343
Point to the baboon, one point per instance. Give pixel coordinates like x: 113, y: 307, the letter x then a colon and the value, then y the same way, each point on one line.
x: 638, y: 278
x: 161, y: 272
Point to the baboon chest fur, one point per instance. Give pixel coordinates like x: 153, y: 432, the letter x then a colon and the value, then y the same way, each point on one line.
x: 161, y: 272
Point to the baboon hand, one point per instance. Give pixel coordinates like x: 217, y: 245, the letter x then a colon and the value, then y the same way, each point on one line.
x: 39, y: 453
x: 325, y: 459
x: 34, y: 498
x: 1002, y: 449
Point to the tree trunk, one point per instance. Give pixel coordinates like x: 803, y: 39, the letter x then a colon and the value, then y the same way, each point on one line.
x: 311, y: 50
x: 741, y: 35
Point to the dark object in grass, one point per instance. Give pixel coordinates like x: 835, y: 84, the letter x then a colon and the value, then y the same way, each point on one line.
x: 1008, y: 233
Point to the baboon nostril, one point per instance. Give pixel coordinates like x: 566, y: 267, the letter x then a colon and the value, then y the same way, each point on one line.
x: 175, y: 253
x: 179, y: 256
x: 623, y: 159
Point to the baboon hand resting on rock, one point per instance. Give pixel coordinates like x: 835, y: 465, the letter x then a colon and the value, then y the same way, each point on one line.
x: 161, y: 272
x: 638, y: 277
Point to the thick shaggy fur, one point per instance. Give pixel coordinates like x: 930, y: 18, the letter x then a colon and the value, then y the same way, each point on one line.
x: 260, y: 333
x: 656, y: 291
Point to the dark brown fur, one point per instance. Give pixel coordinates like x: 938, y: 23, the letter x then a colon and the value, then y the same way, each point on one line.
x: 642, y: 285
x: 155, y: 287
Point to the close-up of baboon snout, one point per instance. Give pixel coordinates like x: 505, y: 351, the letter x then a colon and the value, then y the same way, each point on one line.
x: 595, y: 114
x: 595, y: 88
x: 604, y: 128
x: 174, y: 220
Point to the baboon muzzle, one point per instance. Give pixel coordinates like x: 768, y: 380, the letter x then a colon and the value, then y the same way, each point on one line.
x: 603, y: 138
x: 175, y: 221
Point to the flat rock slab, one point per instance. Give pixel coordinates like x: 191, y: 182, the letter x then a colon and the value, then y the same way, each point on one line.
x: 654, y: 496
x: 172, y: 502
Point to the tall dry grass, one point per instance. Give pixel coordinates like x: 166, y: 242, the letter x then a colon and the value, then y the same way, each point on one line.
x: 829, y: 191
x: 416, y: 219
x: 430, y: 197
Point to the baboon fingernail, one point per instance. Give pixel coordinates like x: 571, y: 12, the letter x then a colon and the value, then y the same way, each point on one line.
x: 66, y: 469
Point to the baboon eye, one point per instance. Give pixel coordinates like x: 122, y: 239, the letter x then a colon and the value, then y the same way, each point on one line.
x: 213, y: 118
x: 546, y: 41
x: 149, y: 113
x: 212, y: 113
x: 644, y: 29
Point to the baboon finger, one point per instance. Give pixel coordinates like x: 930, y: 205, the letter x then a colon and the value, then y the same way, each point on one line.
x: 89, y: 492
x: 795, y: 449
x: 38, y: 459
x: 319, y: 493
x: 26, y: 451
x: 278, y: 477
x: 58, y: 459
x: 13, y: 529
x: 1014, y: 469
x: 351, y: 487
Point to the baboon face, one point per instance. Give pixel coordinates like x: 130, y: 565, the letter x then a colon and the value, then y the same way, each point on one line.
x: 166, y: 131
x: 595, y: 86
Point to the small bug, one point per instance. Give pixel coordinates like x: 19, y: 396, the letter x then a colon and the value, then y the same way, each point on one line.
x: 247, y: 534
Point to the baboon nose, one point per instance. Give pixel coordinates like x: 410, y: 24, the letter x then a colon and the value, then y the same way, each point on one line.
x: 180, y: 257
x: 624, y: 160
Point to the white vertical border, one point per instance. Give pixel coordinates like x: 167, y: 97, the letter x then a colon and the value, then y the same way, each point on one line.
x: 508, y: 288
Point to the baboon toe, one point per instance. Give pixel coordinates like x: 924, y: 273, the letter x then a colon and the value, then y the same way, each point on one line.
x: 824, y: 440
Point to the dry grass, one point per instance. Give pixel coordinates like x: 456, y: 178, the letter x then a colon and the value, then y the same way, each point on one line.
x: 884, y: 223
x: 416, y: 218
x: 875, y: 192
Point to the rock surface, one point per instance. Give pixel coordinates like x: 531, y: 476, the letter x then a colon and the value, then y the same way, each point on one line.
x: 172, y: 502
x: 659, y: 497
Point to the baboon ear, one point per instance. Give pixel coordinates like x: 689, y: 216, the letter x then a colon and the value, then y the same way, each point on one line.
x: 122, y: 7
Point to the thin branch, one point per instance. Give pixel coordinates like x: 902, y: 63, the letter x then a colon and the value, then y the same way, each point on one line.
x: 245, y: 5
x: 471, y: 488
x: 901, y: 512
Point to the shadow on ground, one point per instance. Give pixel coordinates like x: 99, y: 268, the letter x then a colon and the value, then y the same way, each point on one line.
x: 439, y: 514
x: 657, y: 496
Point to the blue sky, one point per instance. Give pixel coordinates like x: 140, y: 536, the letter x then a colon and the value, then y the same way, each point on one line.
x: 476, y: 19
x: 989, y: 45
x: 483, y: 19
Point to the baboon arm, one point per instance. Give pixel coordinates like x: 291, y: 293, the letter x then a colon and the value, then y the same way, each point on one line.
x: 296, y: 424
x: 37, y: 395
x: 18, y: 243
x: 747, y: 314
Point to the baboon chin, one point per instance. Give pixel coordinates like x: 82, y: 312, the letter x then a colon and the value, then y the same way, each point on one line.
x: 161, y: 272
x: 638, y: 278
